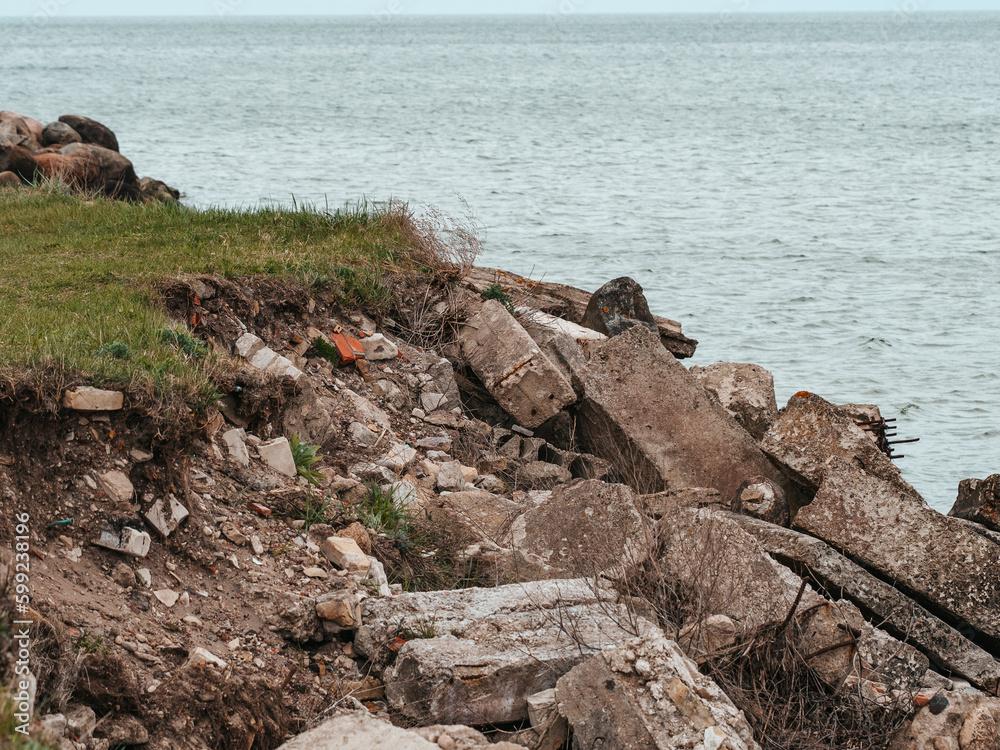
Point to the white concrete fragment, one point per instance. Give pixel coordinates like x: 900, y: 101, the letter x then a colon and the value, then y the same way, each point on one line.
x: 236, y: 446
x: 248, y: 345
x: 263, y: 358
x: 116, y: 486
x: 166, y: 514
x: 278, y: 455
x: 87, y: 398
x: 130, y: 541
x: 167, y: 597
x: 345, y: 554
x: 201, y: 655
x: 378, y: 347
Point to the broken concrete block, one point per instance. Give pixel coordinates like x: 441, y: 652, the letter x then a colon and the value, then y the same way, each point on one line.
x: 167, y: 597
x: 896, y: 613
x: 953, y: 568
x: 811, y: 430
x: 398, y: 457
x: 435, y: 443
x: 432, y: 401
x: 128, y: 541
x: 579, y: 530
x: 358, y: 730
x: 661, y: 504
x: 378, y: 347
x: 641, y: 410
x: 746, y: 391
x: 165, y: 515
x: 248, y: 345
x: 762, y: 498
x: 541, y: 475
x: 450, y: 477
x: 473, y: 656
x: 201, y: 655
x: 263, y: 358
x: 512, y: 367
x: 234, y: 440
x: 979, y: 501
x: 282, y: 367
x: 366, y: 412
x: 481, y: 515
x: 361, y: 435
x: 345, y: 554
x: 277, y: 454
x: 342, y: 608
x: 644, y: 694
x: 116, y: 486
x: 88, y: 398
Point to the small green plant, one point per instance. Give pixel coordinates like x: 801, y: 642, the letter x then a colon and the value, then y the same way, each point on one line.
x: 314, y: 511
x: 305, y: 457
x: 382, y: 512
x: 115, y: 350
x: 185, y: 342
x: 91, y: 643
x: 497, y: 292
x: 326, y: 351
x: 423, y: 628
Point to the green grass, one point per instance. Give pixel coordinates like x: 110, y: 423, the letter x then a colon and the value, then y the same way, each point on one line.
x: 306, y: 457
x: 77, y: 276
x: 383, y: 513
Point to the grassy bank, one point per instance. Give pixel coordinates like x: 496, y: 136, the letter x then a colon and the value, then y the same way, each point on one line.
x: 78, y: 275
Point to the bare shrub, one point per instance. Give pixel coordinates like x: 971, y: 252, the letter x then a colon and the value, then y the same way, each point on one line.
x: 448, y: 243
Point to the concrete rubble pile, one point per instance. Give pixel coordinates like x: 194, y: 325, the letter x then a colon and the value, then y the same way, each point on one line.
x: 602, y: 457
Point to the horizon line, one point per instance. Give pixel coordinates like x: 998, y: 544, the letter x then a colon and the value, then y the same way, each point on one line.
x: 527, y: 14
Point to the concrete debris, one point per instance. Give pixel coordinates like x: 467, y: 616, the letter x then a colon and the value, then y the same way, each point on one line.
x: 378, y: 347
x: 165, y: 515
x: 128, y: 541
x: 979, y: 501
x: 235, y: 441
x: 473, y: 656
x: 277, y: 454
x: 647, y: 415
x: 87, y: 398
x: 644, y: 694
x: 746, y: 391
x: 116, y: 486
x: 345, y: 554
x: 618, y: 306
x: 512, y: 367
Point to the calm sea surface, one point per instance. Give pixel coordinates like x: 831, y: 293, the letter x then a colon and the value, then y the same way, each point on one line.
x: 817, y: 194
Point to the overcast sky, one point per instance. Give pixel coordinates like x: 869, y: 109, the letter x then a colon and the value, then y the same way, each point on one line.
x: 67, y: 8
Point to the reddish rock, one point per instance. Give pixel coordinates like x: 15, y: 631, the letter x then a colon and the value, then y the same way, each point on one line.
x: 9, y: 178
x: 20, y: 161
x: 979, y: 501
x: 15, y: 124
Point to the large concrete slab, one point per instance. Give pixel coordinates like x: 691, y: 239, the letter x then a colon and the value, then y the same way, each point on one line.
x: 644, y: 412
x: 811, y: 430
x: 646, y: 695
x: 512, y: 367
x: 951, y: 569
x: 895, y: 612
x: 473, y: 656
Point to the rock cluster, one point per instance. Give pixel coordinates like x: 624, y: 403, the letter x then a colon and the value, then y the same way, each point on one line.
x: 77, y: 151
x: 631, y: 526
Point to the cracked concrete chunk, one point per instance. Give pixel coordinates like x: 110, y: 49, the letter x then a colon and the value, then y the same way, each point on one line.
x: 165, y: 515
x: 512, y: 367
x: 88, y: 398
x: 237, y: 447
x: 277, y: 454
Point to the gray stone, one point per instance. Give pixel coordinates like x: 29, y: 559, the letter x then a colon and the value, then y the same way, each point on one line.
x: 644, y: 694
x: 390, y: 392
x: 116, y: 486
x: 811, y: 430
x: 483, y: 516
x: 618, y: 306
x: 310, y: 416
x: 661, y: 504
x: 398, y: 457
x: 641, y: 410
x: 123, y: 575
x: 358, y: 730
x: 979, y: 501
x: 277, y: 454
x: 87, y: 398
x: 80, y: 722
x: 541, y: 475
x: 435, y: 443
x: 165, y: 515
x: 938, y: 559
x: 512, y: 367
x: 964, y: 722
x: 579, y: 530
x: 432, y: 401
x: 366, y: 412
x: 442, y: 373
x: 377, y: 347
x: 123, y: 729
x: 234, y: 441
x: 361, y: 435
x: 59, y: 134
x: 745, y: 391
x: 473, y: 656
x: 450, y: 477
x: 894, y: 611
x: 342, y: 608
